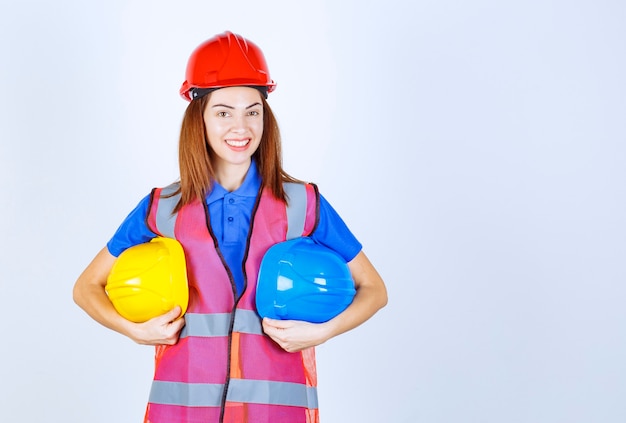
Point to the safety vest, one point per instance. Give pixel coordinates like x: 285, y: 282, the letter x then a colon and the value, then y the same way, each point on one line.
x: 224, y: 368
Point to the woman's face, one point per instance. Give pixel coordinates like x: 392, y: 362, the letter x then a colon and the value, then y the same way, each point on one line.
x: 234, y: 125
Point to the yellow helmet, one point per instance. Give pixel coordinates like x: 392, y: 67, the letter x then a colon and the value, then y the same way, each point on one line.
x: 148, y: 280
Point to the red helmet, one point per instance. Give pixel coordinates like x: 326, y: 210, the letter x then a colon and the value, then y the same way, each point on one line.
x: 226, y: 60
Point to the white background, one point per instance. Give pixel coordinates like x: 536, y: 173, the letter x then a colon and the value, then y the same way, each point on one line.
x: 476, y: 148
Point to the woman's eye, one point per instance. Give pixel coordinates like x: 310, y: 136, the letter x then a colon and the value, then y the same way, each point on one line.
x: 254, y: 113
x: 222, y: 114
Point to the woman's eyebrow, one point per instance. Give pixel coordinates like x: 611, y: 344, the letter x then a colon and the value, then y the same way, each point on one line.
x: 231, y: 107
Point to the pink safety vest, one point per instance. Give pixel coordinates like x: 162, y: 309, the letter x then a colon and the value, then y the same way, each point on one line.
x: 224, y: 368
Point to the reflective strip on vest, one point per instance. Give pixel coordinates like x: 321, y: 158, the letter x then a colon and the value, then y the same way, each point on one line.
x: 208, y: 325
x: 165, y: 219
x: 296, y: 209
x: 240, y: 390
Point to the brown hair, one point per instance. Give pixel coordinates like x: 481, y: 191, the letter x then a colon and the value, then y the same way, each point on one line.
x: 194, y: 155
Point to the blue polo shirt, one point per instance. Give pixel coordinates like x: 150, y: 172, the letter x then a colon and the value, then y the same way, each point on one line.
x: 230, y: 214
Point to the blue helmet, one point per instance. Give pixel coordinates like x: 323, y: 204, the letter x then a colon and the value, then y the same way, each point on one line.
x: 300, y: 279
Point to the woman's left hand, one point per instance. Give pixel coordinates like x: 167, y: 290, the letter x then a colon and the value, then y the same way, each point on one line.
x: 295, y: 335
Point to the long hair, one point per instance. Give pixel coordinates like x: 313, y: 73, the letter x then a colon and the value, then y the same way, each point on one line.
x: 194, y: 155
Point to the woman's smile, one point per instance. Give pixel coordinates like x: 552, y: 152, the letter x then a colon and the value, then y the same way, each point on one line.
x: 238, y: 143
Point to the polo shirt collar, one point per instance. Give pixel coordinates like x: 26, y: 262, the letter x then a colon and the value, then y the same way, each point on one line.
x: 249, y: 187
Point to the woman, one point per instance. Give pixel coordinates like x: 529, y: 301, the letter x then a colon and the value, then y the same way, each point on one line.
x: 219, y: 362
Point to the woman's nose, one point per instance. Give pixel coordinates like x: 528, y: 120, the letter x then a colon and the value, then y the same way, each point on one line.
x: 239, y: 123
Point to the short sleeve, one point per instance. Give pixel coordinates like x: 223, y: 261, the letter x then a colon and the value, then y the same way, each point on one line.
x: 333, y: 233
x: 133, y: 230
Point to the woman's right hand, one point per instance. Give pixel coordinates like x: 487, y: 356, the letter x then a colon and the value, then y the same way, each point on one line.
x: 160, y: 330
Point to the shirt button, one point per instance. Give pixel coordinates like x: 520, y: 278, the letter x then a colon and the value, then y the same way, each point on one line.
x: 231, y: 200
x: 230, y: 219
